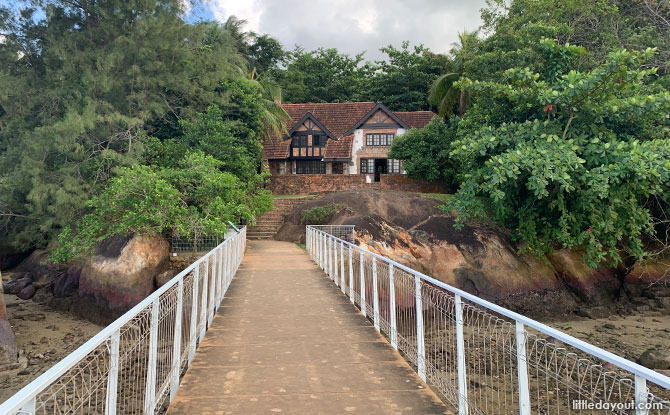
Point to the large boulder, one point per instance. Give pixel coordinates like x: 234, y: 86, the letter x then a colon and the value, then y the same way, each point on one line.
x: 120, y: 275
x: 414, y: 230
x: 8, y: 351
x: 479, y: 260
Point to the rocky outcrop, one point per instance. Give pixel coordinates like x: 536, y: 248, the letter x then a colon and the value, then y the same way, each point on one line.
x: 120, y: 274
x: 8, y: 352
x: 413, y: 230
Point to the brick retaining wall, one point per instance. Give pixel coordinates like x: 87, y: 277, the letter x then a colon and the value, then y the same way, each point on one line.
x: 322, y: 183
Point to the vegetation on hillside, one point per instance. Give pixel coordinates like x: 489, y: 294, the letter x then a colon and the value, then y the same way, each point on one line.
x: 565, y: 138
x: 120, y: 117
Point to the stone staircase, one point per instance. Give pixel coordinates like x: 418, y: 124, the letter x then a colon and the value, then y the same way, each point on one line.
x: 269, y: 223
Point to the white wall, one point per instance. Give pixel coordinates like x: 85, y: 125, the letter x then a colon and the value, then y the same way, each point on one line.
x: 358, y: 143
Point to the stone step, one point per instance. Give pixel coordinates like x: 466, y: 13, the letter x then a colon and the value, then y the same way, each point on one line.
x: 269, y: 222
x: 264, y: 228
x: 260, y: 235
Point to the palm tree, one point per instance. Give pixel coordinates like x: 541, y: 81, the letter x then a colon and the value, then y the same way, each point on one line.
x: 443, y: 94
x: 275, y: 116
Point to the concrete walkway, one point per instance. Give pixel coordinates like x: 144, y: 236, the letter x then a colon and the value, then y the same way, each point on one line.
x: 287, y: 341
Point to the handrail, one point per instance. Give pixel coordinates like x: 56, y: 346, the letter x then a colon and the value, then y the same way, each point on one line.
x: 24, y: 400
x: 331, y: 253
x: 612, y: 358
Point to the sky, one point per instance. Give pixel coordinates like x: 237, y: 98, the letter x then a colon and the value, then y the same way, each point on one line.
x: 351, y: 26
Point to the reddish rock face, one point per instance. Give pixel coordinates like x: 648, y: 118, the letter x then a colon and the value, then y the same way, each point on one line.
x: 122, y: 272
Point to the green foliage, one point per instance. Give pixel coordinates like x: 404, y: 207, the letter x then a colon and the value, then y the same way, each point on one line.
x: 193, y: 197
x: 400, y: 81
x: 443, y: 94
x: 403, y: 79
x: 425, y: 152
x: 114, y: 101
x: 323, y: 75
x: 320, y: 215
x: 77, y: 105
x: 572, y: 156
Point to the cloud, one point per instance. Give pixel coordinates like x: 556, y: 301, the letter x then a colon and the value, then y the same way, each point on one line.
x: 353, y: 26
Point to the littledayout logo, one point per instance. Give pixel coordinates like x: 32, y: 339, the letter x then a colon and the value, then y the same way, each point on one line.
x: 614, y: 406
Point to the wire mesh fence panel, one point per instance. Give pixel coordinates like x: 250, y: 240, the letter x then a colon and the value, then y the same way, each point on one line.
x: 406, y: 314
x: 194, y: 244
x: 482, y: 358
x: 344, y: 232
x: 133, y: 365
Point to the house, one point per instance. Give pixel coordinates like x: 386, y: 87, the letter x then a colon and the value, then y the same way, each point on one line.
x: 349, y: 138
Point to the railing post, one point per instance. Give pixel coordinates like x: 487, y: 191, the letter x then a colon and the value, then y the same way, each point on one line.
x: 342, y: 267
x: 202, y: 319
x: 420, y: 344
x: 203, y: 304
x: 522, y: 369
x: 460, y: 357
x: 375, y: 295
x: 194, y: 315
x: 351, y: 275
x: 362, y: 268
x: 393, y: 329
x: 29, y: 407
x: 319, y: 256
x: 641, y: 396
x: 222, y: 272
x: 336, y: 277
x: 212, y: 288
x: 229, y: 262
x: 150, y: 389
x: 113, y: 376
x: 217, y: 283
x: 325, y: 254
x: 330, y: 256
x: 176, y: 343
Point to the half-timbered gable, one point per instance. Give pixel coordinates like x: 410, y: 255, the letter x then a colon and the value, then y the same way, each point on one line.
x: 340, y: 138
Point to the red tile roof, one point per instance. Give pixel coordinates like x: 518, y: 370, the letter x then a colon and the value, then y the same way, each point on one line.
x: 415, y: 119
x: 339, y: 149
x: 338, y: 118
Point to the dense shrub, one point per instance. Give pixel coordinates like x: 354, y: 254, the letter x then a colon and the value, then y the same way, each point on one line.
x: 320, y: 215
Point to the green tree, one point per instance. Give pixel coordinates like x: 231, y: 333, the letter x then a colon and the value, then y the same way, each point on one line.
x: 403, y: 79
x: 425, y: 152
x: 193, y: 198
x: 443, y: 95
x: 323, y: 75
x: 83, y: 87
x: 574, y: 156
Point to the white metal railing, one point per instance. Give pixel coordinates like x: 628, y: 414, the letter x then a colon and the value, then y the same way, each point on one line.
x: 483, y: 358
x: 133, y: 366
x: 345, y: 232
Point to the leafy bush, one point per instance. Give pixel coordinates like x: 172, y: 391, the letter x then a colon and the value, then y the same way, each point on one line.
x: 195, y: 197
x: 575, y: 156
x: 425, y: 152
x: 320, y: 215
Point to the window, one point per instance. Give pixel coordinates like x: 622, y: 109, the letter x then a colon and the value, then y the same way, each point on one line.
x: 310, y: 167
x: 394, y: 166
x: 367, y: 166
x: 319, y: 140
x: 305, y: 145
x: 379, y: 139
x: 300, y: 141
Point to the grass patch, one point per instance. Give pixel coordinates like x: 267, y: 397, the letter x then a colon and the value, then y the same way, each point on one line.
x: 445, y: 197
x: 301, y: 246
